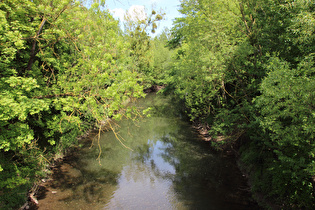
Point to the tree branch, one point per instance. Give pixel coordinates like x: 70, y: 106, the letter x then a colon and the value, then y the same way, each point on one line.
x: 55, y: 96
x: 244, y: 19
x: 33, y: 50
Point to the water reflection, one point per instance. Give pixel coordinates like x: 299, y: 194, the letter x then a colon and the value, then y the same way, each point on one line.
x: 169, y: 168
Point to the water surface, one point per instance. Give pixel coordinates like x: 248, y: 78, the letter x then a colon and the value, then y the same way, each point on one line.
x: 170, y: 167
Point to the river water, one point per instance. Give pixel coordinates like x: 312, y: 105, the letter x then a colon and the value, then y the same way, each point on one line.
x: 169, y: 167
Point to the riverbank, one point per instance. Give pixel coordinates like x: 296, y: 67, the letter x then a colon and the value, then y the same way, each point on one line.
x: 231, y: 149
x: 40, y: 186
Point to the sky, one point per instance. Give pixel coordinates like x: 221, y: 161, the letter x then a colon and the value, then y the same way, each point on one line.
x: 119, y: 7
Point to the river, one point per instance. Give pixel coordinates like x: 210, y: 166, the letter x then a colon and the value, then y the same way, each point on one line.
x: 169, y: 167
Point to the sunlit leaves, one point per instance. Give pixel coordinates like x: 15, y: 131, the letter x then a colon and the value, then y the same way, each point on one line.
x: 287, y: 116
x: 207, y: 36
x: 287, y: 98
x: 225, y: 50
x: 64, y: 69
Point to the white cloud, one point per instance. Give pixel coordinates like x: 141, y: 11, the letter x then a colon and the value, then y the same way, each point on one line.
x: 135, y: 12
x: 118, y: 13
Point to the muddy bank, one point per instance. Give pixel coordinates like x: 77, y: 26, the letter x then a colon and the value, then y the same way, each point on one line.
x: 154, y: 88
x: 40, y: 189
x: 228, y: 146
x: 230, y: 149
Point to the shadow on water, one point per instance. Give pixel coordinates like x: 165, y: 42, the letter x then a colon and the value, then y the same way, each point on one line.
x: 73, y: 182
x: 204, y: 180
x: 169, y: 168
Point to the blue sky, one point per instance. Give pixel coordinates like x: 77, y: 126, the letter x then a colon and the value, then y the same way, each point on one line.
x: 118, y: 7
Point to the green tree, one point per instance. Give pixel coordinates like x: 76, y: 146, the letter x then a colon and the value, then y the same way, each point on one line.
x: 138, y: 27
x: 285, y: 155
x: 162, y: 57
x: 287, y: 116
x: 64, y: 69
x: 228, y: 55
x: 208, y: 40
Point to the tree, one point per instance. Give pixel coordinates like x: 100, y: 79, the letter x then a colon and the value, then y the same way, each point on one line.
x: 287, y: 116
x: 137, y: 28
x: 231, y: 57
x: 64, y: 69
x: 162, y: 58
x: 208, y: 39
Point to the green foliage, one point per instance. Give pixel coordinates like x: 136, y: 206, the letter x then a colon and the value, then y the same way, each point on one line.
x: 162, y: 58
x: 20, y: 171
x: 247, y: 69
x: 287, y: 115
x: 137, y: 31
x: 16, y: 106
x: 211, y: 49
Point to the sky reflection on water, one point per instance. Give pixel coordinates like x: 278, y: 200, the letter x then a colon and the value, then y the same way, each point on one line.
x: 169, y: 168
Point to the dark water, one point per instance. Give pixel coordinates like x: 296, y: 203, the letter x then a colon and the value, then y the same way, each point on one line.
x: 169, y: 168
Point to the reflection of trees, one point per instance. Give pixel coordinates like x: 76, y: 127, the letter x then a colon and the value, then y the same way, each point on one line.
x: 163, y: 106
x: 202, y: 179
x: 84, y: 184
x: 139, y: 172
x: 142, y: 153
